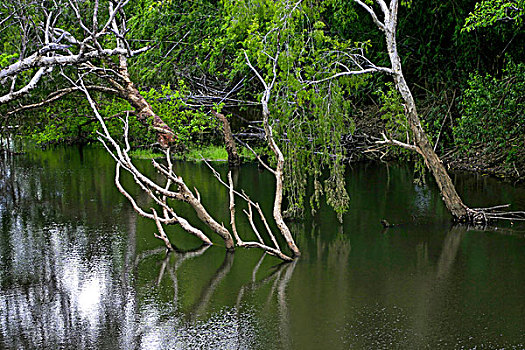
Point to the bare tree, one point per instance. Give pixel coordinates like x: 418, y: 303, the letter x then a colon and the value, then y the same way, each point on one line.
x: 46, y: 47
x: 54, y: 48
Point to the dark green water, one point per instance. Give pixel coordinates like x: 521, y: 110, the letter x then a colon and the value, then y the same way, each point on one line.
x: 79, y: 270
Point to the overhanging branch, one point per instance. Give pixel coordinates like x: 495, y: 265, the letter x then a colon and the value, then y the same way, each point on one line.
x: 36, y: 60
x: 388, y: 141
x: 376, y: 20
x: 57, y: 95
x: 351, y: 72
x: 30, y: 86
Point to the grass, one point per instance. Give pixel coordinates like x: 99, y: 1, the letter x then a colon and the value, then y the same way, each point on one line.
x: 210, y: 153
x: 145, y: 154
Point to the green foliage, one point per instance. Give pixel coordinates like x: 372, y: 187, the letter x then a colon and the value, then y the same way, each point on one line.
x: 439, y: 54
x: 180, y: 31
x: 208, y: 39
x: 71, y: 120
x: 6, y: 59
x: 494, y: 110
x: 309, y: 117
x: 189, y: 125
x: 66, y: 121
x: 336, y: 194
x: 214, y: 153
x: 488, y: 12
x: 393, y: 112
x: 145, y: 154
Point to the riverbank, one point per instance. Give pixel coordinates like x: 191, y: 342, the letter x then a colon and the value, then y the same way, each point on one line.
x: 361, y: 146
x: 210, y: 153
x: 483, y: 161
x: 507, y: 164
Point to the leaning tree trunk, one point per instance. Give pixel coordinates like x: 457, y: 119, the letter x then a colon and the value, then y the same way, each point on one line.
x: 144, y: 113
x: 446, y: 187
x: 279, y: 177
x: 233, y: 157
x: 422, y: 145
x: 279, y: 168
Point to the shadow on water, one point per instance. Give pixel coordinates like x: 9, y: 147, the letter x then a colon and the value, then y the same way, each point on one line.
x: 78, y: 268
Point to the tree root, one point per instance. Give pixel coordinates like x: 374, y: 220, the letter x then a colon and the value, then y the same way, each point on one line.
x: 485, y: 216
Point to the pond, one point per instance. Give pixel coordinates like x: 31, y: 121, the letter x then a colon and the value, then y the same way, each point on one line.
x: 80, y: 270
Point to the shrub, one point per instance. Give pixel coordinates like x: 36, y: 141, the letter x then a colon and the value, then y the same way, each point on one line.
x: 493, y: 110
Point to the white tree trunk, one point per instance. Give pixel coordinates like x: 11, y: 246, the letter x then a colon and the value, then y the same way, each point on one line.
x: 448, y: 191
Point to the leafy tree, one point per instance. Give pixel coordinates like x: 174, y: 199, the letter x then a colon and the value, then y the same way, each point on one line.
x: 290, y: 43
x: 489, y: 12
x: 92, y: 71
x: 493, y: 112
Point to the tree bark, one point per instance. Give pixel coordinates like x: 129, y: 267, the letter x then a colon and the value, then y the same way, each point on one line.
x: 279, y: 169
x: 233, y: 157
x: 452, y: 200
x: 450, y: 196
x: 144, y: 112
x: 185, y: 195
x: 279, y: 176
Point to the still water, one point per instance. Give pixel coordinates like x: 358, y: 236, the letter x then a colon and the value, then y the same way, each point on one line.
x: 79, y: 270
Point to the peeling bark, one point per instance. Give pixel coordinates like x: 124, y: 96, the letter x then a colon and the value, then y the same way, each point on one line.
x: 118, y: 76
x: 233, y: 157
x: 144, y: 112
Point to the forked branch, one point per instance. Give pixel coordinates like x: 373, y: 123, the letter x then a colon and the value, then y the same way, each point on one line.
x: 276, y: 250
x: 160, y: 194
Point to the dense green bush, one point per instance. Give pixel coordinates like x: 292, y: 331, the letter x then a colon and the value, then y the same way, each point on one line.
x: 493, y: 110
x: 71, y: 120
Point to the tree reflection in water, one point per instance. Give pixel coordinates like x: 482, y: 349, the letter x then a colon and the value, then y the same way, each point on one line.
x: 75, y: 284
x: 69, y: 300
x: 77, y: 270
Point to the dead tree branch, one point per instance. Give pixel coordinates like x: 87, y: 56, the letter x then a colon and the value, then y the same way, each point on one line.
x: 233, y: 157
x: 45, y: 45
x: 279, y: 169
x: 249, y: 213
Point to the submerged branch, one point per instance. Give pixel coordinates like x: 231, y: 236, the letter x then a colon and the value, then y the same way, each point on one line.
x: 232, y: 192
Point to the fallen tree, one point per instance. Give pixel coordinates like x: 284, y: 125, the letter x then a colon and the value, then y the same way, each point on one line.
x: 160, y: 193
x: 87, y: 59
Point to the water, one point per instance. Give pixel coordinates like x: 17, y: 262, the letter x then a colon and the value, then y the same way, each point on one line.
x: 79, y: 270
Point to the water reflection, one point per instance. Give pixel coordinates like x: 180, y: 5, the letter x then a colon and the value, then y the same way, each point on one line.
x: 164, y: 327
x: 78, y: 269
x: 450, y: 250
x: 76, y: 284
x: 54, y: 293
x: 76, y: 302
x: 231, y: 327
